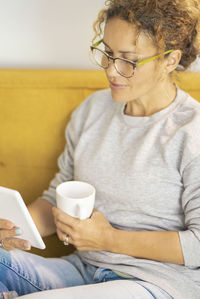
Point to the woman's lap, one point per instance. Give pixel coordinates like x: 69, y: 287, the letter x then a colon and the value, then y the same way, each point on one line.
x: 27, y: 273
x: 112, y: 289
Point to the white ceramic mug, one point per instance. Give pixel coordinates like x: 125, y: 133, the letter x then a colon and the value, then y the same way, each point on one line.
x: 76, y: 198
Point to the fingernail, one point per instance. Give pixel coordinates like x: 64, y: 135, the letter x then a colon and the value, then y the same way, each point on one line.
x: 9, y: 225
x: 18, y: 231
x: 27, y: 246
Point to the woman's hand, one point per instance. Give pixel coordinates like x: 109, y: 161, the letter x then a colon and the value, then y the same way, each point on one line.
x: 91, y: 234
x: 8, y: 232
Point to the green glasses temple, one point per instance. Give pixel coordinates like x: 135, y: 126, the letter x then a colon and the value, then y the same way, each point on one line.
x: 142, y: 62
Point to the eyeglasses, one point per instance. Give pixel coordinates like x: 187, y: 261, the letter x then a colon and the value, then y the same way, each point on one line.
x: 124, y: 67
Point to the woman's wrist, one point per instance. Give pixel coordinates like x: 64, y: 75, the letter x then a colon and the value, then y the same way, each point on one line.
x: 116, y: 241
x: 110, y: 239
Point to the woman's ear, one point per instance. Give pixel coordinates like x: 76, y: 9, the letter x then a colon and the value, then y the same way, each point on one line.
x: 172, y: 61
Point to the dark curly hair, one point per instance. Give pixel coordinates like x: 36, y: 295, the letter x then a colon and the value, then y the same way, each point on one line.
x: 172, y: 24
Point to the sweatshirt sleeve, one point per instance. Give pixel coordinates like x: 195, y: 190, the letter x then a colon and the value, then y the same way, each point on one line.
x: 190, y: 237
x: 66, y: 159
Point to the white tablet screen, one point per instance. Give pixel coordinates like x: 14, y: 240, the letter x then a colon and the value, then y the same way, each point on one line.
x: 13, y: 208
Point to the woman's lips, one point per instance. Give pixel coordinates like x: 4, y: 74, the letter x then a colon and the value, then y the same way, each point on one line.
x: 117, y: 86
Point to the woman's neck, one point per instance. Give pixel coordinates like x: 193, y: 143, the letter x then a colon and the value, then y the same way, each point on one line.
x: 153, y: 101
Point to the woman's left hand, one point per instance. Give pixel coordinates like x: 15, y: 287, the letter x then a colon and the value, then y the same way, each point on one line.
x: 91, y: 234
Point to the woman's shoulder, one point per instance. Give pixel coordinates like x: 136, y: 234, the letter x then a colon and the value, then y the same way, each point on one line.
x: 188, y: 108
x: 185, y: 118
x: 182, y: 128
x: 97, y: 101
x: 96, y: 106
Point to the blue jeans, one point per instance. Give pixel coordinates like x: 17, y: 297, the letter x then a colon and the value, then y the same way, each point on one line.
x: 26, y: 273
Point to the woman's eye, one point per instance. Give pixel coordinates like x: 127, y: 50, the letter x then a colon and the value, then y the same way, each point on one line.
x: 110, y: 53
x: 133, y: 59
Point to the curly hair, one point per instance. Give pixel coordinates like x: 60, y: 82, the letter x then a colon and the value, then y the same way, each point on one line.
x: 172, y: 24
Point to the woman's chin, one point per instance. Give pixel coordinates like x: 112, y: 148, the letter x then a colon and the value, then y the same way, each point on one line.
x: 119, y: 97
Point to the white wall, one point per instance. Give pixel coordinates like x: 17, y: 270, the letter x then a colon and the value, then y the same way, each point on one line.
x: 47, y: 33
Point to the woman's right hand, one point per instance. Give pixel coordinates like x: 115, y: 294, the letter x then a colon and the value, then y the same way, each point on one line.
x: 8, y: 233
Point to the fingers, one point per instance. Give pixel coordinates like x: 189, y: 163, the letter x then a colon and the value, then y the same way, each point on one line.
x: 6, y: 224
x: 15, y: 243
x: 73, y: 239
x: 65, y: 225
x: 62, y: 236
x: 83, y: 234
x: 9, y: 240
x: 60, y: 216
x: 8, y: 233
x: 64, y: 229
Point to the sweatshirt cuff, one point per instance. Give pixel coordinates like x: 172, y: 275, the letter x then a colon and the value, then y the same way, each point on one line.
x: 190, y: 244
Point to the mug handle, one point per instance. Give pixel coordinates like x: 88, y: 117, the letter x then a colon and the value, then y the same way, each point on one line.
x: 81, y: 210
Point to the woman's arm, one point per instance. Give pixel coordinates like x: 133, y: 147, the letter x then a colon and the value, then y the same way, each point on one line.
x: 96, y: 234
x: 41, y: 212
x: 41, y: 209
x: 162, y: 246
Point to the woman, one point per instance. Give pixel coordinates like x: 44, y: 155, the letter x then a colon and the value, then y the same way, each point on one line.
x: 138, y: 144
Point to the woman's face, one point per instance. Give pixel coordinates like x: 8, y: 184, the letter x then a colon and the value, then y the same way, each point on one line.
x: 121, y: 40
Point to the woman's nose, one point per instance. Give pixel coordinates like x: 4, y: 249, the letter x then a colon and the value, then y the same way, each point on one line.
x: 111, y: 70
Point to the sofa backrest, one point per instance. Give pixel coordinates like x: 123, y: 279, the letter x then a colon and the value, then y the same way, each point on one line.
x: 35, y: 106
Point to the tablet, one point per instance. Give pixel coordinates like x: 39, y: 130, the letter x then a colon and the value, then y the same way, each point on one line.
x: 13, y: 208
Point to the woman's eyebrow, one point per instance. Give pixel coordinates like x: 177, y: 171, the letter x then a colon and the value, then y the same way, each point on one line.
x: 122, y: 52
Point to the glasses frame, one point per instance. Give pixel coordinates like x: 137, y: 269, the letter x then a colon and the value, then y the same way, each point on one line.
x: 135, y: 64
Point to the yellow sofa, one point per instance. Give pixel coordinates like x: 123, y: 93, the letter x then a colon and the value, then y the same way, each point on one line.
x: 35, y: 106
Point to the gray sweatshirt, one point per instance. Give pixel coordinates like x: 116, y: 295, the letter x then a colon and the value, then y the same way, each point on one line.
x: 146, y: 171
